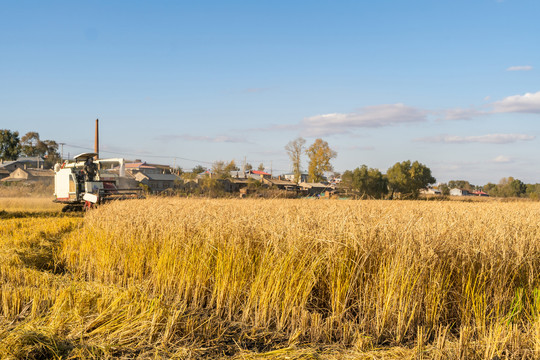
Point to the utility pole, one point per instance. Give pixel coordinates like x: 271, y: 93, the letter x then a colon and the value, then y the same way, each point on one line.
x: 62, y: 152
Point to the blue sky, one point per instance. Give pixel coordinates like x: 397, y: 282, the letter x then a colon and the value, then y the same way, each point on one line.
x: 452, y: 84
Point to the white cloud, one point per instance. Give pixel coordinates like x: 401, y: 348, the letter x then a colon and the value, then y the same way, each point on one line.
x: 489, y: 139
x: 520, y: 68
x: 528, y: 103
x: 369, y: 116
x: 462, y: 114
x: 502, y: 159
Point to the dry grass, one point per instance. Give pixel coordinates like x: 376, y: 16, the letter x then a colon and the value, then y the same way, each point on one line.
x: 185, y: 278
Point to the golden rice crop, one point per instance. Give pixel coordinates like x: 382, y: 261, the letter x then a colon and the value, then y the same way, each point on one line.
x: 32, y: 204
x: 295, y: 279
x: 359, y: 274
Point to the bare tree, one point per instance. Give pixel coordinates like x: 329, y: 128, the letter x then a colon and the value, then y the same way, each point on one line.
x: 295, y: 149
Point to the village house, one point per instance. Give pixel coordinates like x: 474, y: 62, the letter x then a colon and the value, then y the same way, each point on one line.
x: 430, y: 191
x: 22, y: 163
x: 460, y: 192
x: 258, y: 175
x: 281, y: 184
x: 142, y: 167
x: 311, y: 189
x: 156, y: 182
x: 3, y: 174
x: 290, y: 177
x: 35, y: 175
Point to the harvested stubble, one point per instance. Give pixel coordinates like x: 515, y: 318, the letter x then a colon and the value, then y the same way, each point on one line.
x: 450, y: 280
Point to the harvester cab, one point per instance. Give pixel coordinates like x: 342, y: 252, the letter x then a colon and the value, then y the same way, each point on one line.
x: 86, y: 182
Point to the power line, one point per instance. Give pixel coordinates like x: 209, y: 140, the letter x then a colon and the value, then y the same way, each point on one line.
x: 156, y: 156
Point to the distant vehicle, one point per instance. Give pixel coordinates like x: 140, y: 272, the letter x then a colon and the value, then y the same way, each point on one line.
x: 82, y: 184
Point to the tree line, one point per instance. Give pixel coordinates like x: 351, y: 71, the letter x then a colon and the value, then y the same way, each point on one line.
x: 506, y: 187
x: 11, y: 147
x: 406, y: 178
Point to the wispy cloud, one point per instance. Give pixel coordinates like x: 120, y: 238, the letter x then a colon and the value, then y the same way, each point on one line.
x: 367, y: 117
x: 502, y: 159
x: 527, y: 103
x: 489, y: 139
x: 520, y: 68
x: 462, y: 114
x: 208, y: 139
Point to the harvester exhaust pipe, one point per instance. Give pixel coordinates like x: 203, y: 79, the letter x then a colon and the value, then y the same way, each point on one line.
x: 96, y: 140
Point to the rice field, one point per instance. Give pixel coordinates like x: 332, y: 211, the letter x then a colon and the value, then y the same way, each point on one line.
x: 278, y: 279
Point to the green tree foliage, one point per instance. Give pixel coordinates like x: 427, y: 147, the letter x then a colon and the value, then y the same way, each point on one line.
x: 460, y: 184
x: 223, y: 170
x: 218, y: 169
x: 32, y: 145
x: 248, y: 167
x: 261, y: 167
x: 199, y: 169
x: 533, y: 191
x: 9, y: 145
x: 320, y: 155
x: 507, y: 187
x: 409, y: 178
x: 369, y: 183
x: 295, y: 149
x: 29, y: 144
x: 231, y: 166
x: 444, y: 189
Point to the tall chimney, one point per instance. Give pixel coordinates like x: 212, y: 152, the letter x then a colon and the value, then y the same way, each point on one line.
x: 96, y: 141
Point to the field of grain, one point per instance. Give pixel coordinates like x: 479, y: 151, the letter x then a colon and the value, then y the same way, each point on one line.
x: 296, y: 279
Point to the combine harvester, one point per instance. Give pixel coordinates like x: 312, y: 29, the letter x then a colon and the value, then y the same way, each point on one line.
x: 84, y: 183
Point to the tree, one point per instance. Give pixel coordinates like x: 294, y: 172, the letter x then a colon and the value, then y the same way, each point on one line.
x: 199, y: 169
x: 409, y: 179
x: 178, y: 171
x: 518, y: 187
x: 248, y: 167
x: 223, y: 170
x: 261, y: 167
x: 533, y: 191
x: 32, y: 145
x: 218, y: 169
x: 10, y: 148
x: 295, y: 149
x: 231, y: 166
x: 370, y: 183
x: 444, y: 189
x: 460, y: 184
x: 319, y: 154
x: 49, y: 149
x: 29, y: 144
